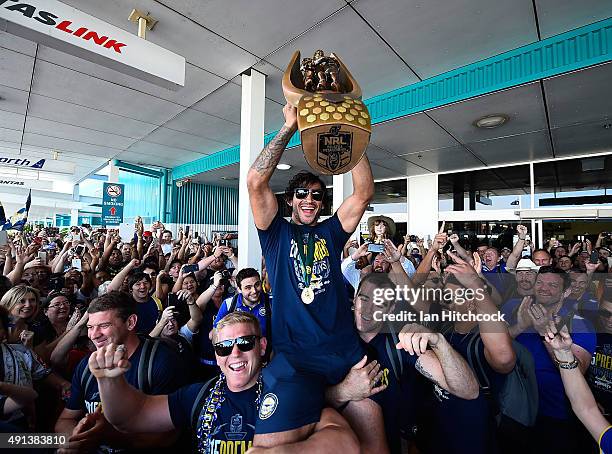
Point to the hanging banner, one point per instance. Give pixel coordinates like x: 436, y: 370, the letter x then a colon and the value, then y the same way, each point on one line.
x: 113, y: 197
x: 74, y: 32
x: 27, y: 162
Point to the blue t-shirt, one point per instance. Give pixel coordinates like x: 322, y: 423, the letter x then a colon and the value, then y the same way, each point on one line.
x: 202, y: 343
x: 399, y: 400
x: 605, y: 441
x: 234, y: 427
x: 325, y: 324
x: 552, y: 400
x: 162, y: 380
x: 259, y: 310
x: 147, y: 313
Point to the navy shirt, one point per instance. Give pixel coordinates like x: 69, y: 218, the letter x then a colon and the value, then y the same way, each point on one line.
x: 552, y: 401
x: 259, y: 310
x: 326, y: 323
x: 234, y: 427
x: 162, y: 380
x: 202, y: 343
x: 398, y: 400
x: 147, y: 313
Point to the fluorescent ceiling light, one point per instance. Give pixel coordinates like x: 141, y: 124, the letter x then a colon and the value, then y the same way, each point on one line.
x: 491, y: 121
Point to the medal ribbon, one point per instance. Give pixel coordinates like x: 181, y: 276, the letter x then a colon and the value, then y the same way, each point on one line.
x: 308, y: 258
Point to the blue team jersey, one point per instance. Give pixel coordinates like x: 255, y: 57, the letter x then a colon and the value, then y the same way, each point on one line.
x: 259, y: 310
x: 327, y: 323
x: 552, y: 400
x: 148, y: 314
x: 234, y: 427
x: 605, y: 441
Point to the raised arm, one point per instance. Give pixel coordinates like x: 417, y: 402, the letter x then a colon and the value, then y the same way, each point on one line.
x: 515, y: 255
x: 442, y: 364
x: 119, y: 278
x: 353, y: 207
x: 261, y: 197
x: 126, y: 408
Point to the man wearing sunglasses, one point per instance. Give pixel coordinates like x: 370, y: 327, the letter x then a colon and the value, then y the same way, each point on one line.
x: 221, y: 413
x: 314, y: 335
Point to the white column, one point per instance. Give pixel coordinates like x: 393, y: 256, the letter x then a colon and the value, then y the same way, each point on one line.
x: 113, y: 175
x: 423, y: 205
x: 540, y: 234
x: 252, y: 115
x: 74, y: 216
x: 343, y: 187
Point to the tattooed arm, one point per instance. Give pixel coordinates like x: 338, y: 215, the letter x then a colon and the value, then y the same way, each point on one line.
x: 442, y: 364
x: 263, y: 200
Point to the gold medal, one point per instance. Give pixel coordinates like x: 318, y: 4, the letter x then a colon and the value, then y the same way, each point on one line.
x: 307, y: 295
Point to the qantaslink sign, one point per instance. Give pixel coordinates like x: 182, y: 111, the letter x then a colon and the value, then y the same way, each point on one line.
x: 69, y: 30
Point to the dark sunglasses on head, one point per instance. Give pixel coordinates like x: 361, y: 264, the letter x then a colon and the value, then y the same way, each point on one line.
x: 604, y: 313
x: 302, y: 193
x: 244, y: 343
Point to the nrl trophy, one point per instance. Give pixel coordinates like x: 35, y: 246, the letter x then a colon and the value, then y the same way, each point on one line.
x: 334, y: 123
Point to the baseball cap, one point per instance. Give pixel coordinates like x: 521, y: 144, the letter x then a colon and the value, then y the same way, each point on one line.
x: 147, y: 233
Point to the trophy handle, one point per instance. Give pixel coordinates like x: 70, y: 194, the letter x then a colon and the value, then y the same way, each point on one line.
x: 347, y: 80
x: 293, y: 81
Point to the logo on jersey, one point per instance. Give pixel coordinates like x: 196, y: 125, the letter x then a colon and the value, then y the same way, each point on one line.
x: 262, y: 311
x: 268, y: 406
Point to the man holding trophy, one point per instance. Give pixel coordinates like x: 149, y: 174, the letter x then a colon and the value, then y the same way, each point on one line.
x: 314, y: 339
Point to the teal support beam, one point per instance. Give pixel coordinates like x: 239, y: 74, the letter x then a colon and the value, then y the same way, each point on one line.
x: 163, y: 193
x: 570, y: 51
x: 137, y: 169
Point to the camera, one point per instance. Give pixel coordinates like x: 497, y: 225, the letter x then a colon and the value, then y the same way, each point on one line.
x: 225, y: 274
x: 224, y: 243
x: 413, y: 238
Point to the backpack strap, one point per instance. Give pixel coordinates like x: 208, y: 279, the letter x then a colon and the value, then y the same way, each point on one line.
x: 151, y: 360
x: 197, y: 403
x: 86, y: 378
x: 234, y: 303
x: 142, y: 364
x: 395, y: 355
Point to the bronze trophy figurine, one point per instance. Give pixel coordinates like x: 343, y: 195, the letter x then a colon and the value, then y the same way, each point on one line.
x: 334, y: 123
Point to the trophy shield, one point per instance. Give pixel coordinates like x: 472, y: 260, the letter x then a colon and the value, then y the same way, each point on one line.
x: 334, y: 122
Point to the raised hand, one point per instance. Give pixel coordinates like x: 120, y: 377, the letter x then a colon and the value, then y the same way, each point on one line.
x: 415, y: 338
x: 360, y: 252
x: 391, y: 253
x: 362, y: 380
x: 440, y: 240
x: 109, y: 361
x: 521, y: 231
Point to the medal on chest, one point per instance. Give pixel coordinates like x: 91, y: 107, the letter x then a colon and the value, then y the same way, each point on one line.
x: 306, y: 261
x: 307, y: 295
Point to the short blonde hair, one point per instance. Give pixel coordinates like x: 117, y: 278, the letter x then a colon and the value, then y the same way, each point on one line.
x: 234, y: 318
x: 14, y: 295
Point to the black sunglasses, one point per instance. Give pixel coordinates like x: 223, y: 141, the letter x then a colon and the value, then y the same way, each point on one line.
x: 244, y: 343
x: 604, y: 313
x: 302, y: 193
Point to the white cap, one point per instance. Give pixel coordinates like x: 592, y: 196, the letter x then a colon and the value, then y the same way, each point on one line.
x: 527, y: 265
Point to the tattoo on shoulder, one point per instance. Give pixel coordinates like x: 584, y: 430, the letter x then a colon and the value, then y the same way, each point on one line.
x: 270, y: 155
x: 419, y: 366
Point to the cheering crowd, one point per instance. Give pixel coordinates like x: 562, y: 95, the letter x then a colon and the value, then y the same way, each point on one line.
x: 156, y: 342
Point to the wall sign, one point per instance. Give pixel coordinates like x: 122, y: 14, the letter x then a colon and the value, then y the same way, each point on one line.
x: 28, y: 184
x: 69, y: 30
x: 24, y: 161
x: 112, y: 203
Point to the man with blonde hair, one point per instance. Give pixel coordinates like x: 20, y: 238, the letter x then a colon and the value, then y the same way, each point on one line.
x: 220, y: 413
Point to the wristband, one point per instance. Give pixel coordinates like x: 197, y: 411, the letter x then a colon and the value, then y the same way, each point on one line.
x: 566, y: 364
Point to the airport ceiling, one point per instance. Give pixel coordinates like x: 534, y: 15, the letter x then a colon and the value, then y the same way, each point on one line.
x: 54, y: 102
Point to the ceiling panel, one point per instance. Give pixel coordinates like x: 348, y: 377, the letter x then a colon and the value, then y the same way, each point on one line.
x: 580, y: 97
x: 582, y: 139
x: 59, y: 83
x: 558, y: 16
x: 79, y: 134
x: 523, y: 105
x: 242, y: 21
x: 167, y: 152
x: 517, y: 148
x: 183, y: 141
x: 15, y: 69
x: 411, y: 134
x: 11, y: 120
x: 444, y: 159
x: 198, y: 82
x: 71, y: 146
x: 217, y: 177
x: 194, y: 122
x: 435, y: 36
x: 375, y: 67
x: 168, y: 160
x: 16, y: 43
x: 12, y: 136
x: 87, y: 117
x: 176, y: 33
x: 13, y: 100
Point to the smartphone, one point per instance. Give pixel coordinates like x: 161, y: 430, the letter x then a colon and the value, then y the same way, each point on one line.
x: 594, y: 257
x: 76, y: 263
x: 43, y: 257
x: 3, y: 238
x: 187, y: 230
x: 79, y: 250
x: 377, y: 248
x: 191, y: 268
